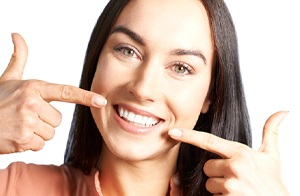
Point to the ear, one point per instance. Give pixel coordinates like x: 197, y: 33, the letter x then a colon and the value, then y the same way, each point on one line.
x: 205, y: 106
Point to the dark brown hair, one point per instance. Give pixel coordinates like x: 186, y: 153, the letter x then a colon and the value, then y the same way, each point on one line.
x: 227, y: 116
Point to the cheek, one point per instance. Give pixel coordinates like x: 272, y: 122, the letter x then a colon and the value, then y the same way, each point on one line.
x: 99, y: 84
x: 103, y: 79
x: 187, y: 106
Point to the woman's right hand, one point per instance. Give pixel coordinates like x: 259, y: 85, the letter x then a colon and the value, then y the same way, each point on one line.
x: 27, y: 119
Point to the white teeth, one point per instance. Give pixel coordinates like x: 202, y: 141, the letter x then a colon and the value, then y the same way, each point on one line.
x: 130, y: 116
x: 137, y: 119
x: 121, y: 111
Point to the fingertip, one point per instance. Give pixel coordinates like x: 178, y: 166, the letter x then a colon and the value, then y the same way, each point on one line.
x: 15, y: 37
x: 98, y: 101
x: 15, y: 67
x: 175, y: 187
x: 270, y: 133
x: 176, y: 179
x: 284, y: 114
x: 175, y: 133
x: 277, y: 118
x: 20, y: 49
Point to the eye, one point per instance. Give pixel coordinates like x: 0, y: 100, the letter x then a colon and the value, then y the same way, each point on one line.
x: 127, y: 51
x: 182, y: 69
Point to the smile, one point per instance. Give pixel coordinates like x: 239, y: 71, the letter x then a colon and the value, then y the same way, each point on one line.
x: 137, y: 119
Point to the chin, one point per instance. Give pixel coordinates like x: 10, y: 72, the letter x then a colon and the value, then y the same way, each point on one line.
x: 133, y: 151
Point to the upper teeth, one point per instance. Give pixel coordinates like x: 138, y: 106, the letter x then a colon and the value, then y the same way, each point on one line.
x: 136, y: 118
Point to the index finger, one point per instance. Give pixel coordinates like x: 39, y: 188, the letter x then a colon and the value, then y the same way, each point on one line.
x: 71, y: 94
x: 206, y: 141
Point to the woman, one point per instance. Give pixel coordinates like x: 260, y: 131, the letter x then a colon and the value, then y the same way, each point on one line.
x: 156, y: 75
x: 219, y: 116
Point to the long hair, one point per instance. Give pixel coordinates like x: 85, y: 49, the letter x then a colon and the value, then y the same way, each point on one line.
x: 227, y: 116
x: 84, y: 142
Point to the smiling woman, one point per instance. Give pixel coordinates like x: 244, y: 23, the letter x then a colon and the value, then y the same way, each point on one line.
x: 160, y: 106
x: 152, y: 88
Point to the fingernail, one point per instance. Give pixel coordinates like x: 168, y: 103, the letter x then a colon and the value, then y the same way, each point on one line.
x: 99, y: 101
x: 176, y: 180
x: 175, y: 132
x: 284, y: 114
x: 12, y: 36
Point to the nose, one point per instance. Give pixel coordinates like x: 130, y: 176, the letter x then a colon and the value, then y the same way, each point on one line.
x: 146, y: 84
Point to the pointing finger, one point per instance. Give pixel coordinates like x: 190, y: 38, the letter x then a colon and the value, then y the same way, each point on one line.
x: 206, y: 141
x: 18, y: 60
x: 270, y: 133
x: 65, y: 93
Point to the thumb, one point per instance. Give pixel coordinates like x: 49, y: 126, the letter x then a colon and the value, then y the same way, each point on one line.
x: 18, y: 59
x: 270, y: 134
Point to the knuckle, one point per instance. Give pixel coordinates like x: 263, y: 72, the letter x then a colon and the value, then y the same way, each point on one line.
x: 209, y: 141
x: 19, y: 149
x: 23, y: 138
x: 28, y: 122
x: 233, y: 168
x: 72, y: 94
x: 230, y: 185
x: 245, y: 153
x: 13, y: 58
x: 14, y: 55
x: 27, y: 93
x: 86, y: 97
x: 27, y: 103
x: 66, y: 92
x: 28, y: 86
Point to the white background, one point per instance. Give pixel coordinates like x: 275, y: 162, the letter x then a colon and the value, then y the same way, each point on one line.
x: 57, y: 33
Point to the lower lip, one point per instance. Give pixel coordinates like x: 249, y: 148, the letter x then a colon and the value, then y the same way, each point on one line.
x: 134, y: 129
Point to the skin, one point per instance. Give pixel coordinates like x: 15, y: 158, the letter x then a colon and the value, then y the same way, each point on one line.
x: 241, y: 171
x: 29, y: 102
x: 149, y: 82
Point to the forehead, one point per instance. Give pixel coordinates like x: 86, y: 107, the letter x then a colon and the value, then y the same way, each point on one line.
x: 184, y: 22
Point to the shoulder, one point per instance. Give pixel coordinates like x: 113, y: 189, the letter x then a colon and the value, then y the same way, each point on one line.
x: 50, y: 179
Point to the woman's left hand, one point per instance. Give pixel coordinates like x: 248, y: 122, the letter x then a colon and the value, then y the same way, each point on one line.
x: 242, y: 170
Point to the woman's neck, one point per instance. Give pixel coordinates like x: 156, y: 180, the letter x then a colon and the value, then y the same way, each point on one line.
x: 147, y: 177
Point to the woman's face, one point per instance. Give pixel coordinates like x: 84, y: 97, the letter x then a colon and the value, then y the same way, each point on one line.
x: 155, y: 71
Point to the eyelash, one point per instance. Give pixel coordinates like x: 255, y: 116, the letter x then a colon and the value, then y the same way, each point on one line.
x: 121, y: 48
x: 188, y: 70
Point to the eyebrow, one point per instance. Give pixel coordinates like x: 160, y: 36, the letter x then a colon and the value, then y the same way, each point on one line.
x: 130, y: 33
x: 197, y: 53
x: 139, y: 39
